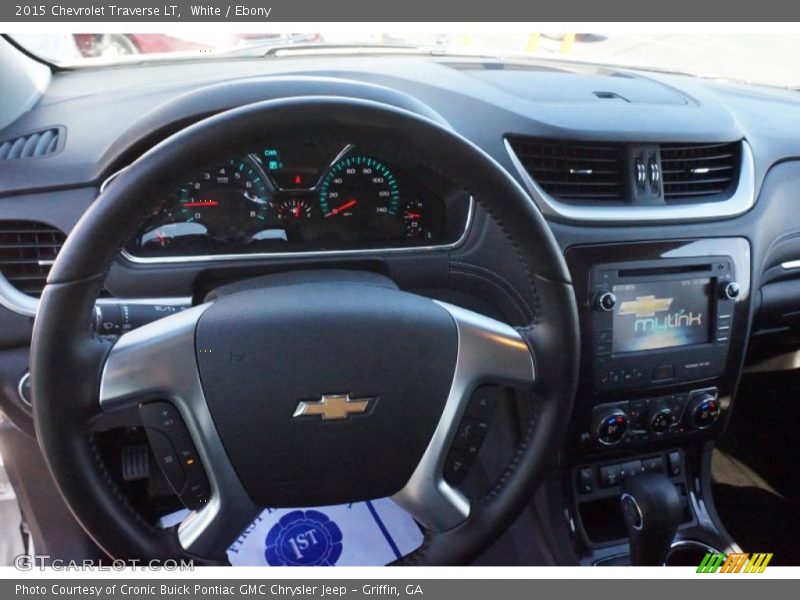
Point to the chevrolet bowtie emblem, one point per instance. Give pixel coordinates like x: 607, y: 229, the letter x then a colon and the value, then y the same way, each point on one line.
x: 334, y: 406
x: 645, y: 306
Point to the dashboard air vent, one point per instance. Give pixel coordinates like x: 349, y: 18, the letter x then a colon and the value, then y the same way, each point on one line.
x: 27, y: 251
x: 696, y: 170
x: 32, y: 145
x: 568, y: 170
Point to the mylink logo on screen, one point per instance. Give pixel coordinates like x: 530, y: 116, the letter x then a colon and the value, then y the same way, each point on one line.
x: 647, y: 309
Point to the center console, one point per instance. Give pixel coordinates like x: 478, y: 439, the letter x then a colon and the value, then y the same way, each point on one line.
x: 664, y: 326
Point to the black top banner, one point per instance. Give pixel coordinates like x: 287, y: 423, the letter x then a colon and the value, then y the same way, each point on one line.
x: 397, y: 11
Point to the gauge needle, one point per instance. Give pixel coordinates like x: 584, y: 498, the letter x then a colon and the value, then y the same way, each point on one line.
x: 413, y: 216
x: 343, y: 207
x: 201, y: 203
x: 296, y: 210
x: 255, y: 199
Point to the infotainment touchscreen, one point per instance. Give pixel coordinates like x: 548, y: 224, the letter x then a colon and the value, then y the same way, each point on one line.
x: 662, y: 314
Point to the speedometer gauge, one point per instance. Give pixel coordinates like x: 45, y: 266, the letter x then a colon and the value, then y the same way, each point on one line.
x: 359, y: 188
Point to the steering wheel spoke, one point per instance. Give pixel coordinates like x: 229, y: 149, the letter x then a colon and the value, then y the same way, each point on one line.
x: 157, y: 362
x: 489, y: 352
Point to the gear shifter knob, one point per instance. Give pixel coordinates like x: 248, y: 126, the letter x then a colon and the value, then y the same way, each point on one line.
x: 652, y: 511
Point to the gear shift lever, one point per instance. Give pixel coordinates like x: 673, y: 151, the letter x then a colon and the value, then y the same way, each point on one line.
x: 652, y: 511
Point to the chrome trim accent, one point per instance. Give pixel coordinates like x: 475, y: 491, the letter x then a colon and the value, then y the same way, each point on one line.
x: 740, y: 202
x: 655, y: 174
x: 790, y: 264
x: 16, y: 301
x: 27, y: 306
x: 696, y: 544
x: 159, y: 359
x: 22, y: 380
x: 176, y: 301
x: 488, y: 351
x: 787, y: 361
x: 640, y: 520
x: 309, y: 254
x: 111, y: 178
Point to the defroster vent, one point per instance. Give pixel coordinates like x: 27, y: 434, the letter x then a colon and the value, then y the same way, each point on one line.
x: 33, y: 145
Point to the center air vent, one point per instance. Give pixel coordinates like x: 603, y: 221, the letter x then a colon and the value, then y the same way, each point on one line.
x: 27, y: 251
x: 695, y: 170
x: 579, y: 171
x: 33, y: 145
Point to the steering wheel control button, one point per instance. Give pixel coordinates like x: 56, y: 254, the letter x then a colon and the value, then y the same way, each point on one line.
x: 196, y: 490
x: 605, y: 301
x: 471, y: 432
x: 610, y: 425
x: 484, y: 402
x: 167, y: 458
x: 175, y: 453
x: 186, y: 453
x: 163, y: 417
x: 456, y: 467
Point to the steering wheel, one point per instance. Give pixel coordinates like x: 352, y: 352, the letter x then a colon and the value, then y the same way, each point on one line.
x: 229, y: 366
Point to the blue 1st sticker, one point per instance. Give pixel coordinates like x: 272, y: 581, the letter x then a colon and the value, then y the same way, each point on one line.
x: 304, y: 538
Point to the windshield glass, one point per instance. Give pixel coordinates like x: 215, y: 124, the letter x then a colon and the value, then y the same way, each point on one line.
x: 769, y: 59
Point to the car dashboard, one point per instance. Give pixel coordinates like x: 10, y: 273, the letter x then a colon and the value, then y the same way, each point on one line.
x: 673, y: 199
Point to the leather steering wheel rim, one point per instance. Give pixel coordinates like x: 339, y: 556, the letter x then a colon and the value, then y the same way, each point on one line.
x: 67, y: 356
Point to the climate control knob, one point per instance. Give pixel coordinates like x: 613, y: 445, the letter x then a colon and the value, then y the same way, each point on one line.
x: 605, y: 301
x: 660, y: 419
x: 703, y: 410
x: 610, y: 426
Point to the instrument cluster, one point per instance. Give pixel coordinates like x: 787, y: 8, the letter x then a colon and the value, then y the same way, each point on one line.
x: 302, y: 197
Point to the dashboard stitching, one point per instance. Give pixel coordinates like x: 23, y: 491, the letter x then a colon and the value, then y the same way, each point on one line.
x: 531, y: 281
x: 504, y: 289
x: 497, y: 286
x: 511, y: 289
x: 512, y: 466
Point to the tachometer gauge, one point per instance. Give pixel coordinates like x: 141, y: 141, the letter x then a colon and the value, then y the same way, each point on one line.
x: 229, y: 200
x: 360, y: 188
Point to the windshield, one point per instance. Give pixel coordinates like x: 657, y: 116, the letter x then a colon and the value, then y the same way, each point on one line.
x: 769, y: 59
